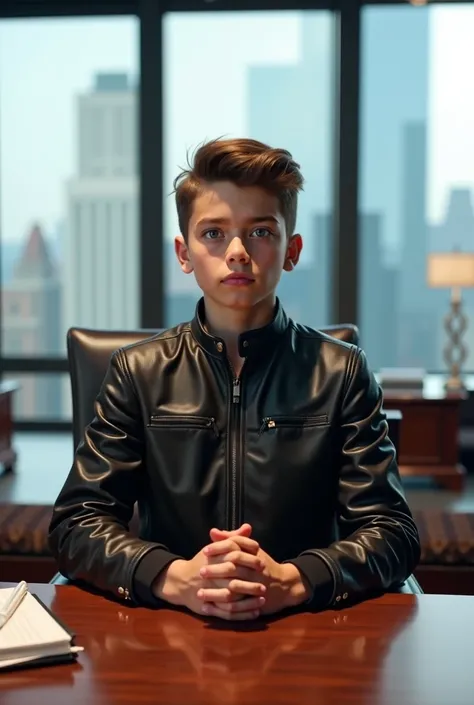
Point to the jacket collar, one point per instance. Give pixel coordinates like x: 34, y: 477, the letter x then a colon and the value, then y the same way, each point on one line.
x: 251, y: 343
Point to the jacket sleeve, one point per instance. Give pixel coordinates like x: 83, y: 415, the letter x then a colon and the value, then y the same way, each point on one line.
x: 89, y: 534
x: 378, y: 546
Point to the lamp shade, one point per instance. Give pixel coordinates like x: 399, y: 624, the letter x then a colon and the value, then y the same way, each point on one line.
x: 450, y: 269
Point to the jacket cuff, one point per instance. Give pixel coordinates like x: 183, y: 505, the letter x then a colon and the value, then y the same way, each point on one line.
x: 318, y: 576
x: 148, y: 568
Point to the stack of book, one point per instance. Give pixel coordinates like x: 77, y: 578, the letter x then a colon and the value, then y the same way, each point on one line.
x: 402, y: 380
x: 30, y: 635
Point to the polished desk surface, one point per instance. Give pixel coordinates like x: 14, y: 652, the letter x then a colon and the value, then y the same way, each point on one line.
x: 394, y: 650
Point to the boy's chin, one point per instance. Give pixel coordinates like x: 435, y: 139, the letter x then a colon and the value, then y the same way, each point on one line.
x: 239, y: 300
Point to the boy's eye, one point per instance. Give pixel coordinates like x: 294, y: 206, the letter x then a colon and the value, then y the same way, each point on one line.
x: 260, y: 232
x: 211, y: 234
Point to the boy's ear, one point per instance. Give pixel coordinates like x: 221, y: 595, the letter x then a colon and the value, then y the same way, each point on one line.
x: 182, y: 253
x: 293, y: 251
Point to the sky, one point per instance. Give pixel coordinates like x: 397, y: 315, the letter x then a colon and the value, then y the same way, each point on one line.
x: 450, y: 104
x: 44, y: 67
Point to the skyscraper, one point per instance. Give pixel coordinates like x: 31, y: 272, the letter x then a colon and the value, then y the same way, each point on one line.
x: 393, y: 184
x: 290, y: 106
x: 31, y: 325
x: 101, y: 239
x: 377, y: 318
x: 416, y: 323
x: 394, y: 82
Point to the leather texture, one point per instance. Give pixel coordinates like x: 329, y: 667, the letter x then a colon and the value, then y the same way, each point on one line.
x: 300, y: 450
x: 89, y: 352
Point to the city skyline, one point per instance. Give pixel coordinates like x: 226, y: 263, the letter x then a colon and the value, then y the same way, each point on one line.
x: 412, y: 199
x: 113, y: 46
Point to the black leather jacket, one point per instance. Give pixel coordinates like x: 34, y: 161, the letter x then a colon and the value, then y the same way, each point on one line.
x: 297, y: 446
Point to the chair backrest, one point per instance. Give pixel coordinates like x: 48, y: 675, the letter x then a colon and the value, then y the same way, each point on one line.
x: 89, y: 352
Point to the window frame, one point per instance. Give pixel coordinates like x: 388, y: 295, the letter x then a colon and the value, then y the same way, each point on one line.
x: 346, y: 100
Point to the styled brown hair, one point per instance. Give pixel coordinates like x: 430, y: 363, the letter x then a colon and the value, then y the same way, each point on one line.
x: 244, y: 162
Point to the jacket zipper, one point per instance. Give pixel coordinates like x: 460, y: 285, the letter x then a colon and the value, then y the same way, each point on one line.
x: 204, y: 422
x: 236, y: 391
x: 270, y: 422
x: 235, y: 423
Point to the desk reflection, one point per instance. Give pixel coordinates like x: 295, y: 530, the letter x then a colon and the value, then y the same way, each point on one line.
x: 212, y: 662
x: 35, y: 685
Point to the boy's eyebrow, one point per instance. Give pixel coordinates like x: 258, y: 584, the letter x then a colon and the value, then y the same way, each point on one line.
x: 224, y: 221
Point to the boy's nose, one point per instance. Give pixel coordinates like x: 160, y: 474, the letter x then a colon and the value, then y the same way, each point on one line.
x: 236, y: 251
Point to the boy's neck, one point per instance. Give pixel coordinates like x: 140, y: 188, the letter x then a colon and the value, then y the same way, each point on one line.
x: 229, y: 324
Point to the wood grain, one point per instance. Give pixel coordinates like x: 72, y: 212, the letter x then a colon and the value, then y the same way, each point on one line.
x: 397, y: 649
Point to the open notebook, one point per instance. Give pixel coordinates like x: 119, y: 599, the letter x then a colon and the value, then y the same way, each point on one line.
x: 33, y: 636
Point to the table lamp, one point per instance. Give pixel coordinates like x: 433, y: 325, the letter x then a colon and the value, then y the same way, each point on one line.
x: 454, y: 270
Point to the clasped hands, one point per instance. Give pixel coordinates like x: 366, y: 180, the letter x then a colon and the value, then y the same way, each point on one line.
x: 232, y: 578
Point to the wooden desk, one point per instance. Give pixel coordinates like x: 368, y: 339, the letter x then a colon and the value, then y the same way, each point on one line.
x: 398, y: 649
x: 428, y: 444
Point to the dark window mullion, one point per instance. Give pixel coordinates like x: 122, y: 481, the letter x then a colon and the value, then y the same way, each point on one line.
x: 247, y: 5
x: 65, y: 8
x: 34, y: 426
x: 34, y: 364
x: 346, y: 177
x: 151, y: 165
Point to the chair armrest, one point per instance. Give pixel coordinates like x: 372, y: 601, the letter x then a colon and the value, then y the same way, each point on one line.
x: 411, y: 586
x: 59, y: 579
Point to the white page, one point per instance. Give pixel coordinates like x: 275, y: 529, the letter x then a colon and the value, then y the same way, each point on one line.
x: 4, y: 663
x: 29, y: 629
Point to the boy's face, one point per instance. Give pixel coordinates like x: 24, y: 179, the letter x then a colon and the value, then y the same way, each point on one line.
x: 237, y: 244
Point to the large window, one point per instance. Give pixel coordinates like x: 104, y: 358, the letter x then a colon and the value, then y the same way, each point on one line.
x: 417, y: 175
x: 68, y: 191
x: 265, y: 75
x: 41, y: 396
x: 68, y: 179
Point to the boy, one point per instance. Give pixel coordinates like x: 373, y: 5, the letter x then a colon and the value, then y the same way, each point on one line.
x: 241, y: 419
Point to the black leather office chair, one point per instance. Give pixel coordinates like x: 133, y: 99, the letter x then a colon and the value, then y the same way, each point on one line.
x: 89, y: 353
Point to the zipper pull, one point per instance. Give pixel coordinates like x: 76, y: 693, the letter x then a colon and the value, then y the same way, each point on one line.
x: 267, y: 423
x: 212, y: 424
x: 236, y: 391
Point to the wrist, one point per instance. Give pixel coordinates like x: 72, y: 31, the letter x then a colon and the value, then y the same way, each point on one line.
x: 168, y: 585
x: 297, y: 589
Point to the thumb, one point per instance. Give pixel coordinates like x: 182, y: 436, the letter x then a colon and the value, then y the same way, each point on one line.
x: 220, y: 534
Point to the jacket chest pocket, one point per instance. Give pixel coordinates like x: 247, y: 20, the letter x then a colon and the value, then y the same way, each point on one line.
x: 184, y: 448
x: 295, y: 453
x: 182, y: 423
x: 297, y: 423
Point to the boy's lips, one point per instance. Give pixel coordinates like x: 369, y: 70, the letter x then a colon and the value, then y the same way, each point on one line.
x: 238, y: 279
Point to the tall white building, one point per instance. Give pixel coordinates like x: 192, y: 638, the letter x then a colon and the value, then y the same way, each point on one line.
x: 31, y: 325
x: 101, y: 287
